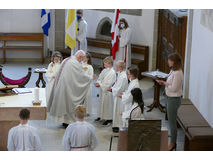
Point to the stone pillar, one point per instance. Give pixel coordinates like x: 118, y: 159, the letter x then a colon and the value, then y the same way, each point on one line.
x: 59, y: 29
x: 155, y: 41
x: 188, y: 54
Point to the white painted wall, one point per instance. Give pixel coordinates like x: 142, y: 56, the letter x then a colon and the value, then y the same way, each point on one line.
x: 22, y: 20
x: 201, y: 68
x: 28, y: 20
x: 142, y: 26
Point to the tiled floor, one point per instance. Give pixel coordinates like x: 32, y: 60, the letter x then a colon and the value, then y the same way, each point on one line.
x: 51, y: 133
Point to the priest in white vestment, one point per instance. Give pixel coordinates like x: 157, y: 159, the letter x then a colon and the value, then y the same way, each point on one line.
x: 70, y: 89
x: 23, y: 137
x: 119, y: 87
x: 124, y: 52
x: 105, y: 80
x: 134, y: 83
x: 81, y: 37
x: 81, y: 135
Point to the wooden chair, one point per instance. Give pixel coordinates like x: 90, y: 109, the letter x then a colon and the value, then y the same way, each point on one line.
x: 20, y: 82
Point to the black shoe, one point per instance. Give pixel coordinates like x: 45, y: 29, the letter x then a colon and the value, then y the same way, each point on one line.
x: 107, y: 122
x: 97, y: 119
x: 173, y: 148
x: 115, y: 129
x: 65, y: 125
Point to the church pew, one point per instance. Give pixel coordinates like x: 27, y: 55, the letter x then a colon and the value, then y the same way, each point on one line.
x: 18, y: 37
x: 198, y: 132
x: 106, y: 45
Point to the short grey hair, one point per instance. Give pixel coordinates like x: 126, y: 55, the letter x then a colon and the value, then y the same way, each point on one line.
x: 80, y: 51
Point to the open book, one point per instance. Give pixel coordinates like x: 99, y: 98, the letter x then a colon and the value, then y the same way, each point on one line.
x: 158, y: 74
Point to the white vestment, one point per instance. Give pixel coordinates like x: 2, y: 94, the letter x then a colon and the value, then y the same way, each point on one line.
x: 135, y: 112
x: 80, y: 136
x: 88, y: 101
x: 119, y: 87
x: 124, y: 47
x: 23, y: 138
x: 69, y: 90
x: 127, y: 96
x: 105, y: 107
x: 81, y: 37
x: 51, y: 73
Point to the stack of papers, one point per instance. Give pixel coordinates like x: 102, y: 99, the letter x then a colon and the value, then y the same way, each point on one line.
x: 21, y: 90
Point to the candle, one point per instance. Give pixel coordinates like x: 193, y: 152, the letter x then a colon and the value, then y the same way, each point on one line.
x: 36, y: 94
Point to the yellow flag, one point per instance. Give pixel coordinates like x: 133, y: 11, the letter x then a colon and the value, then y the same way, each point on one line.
x: 71, y: 29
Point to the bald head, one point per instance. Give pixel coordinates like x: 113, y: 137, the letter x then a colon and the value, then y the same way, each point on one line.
x: 80, y: 54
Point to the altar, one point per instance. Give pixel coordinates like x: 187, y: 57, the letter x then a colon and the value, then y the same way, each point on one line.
x: 10, y: 107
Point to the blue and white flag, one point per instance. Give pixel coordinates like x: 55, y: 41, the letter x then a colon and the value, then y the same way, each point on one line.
x: 45, y: 20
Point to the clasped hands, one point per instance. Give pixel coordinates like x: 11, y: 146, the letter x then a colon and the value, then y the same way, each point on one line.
x: 161, y: 82
x: 110, y: 90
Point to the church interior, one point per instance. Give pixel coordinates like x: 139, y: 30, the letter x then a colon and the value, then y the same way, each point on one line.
x: 25, y: 53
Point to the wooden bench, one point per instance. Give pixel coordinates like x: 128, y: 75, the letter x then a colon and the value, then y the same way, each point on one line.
x: 198, y: 132
x: 99, y: 43
x: 5, y: 37
x: 142, y: 64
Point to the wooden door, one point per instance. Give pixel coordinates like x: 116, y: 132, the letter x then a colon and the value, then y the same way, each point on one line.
x: 171, y: 37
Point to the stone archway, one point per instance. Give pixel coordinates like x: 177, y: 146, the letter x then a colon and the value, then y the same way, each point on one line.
x: 103, y: 30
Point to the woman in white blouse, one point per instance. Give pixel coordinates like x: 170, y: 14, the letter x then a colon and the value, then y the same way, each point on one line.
x: 173, y: 89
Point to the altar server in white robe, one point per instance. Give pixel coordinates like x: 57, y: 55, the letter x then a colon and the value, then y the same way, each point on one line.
x: 120, y: 86
x: 136, y: 111
x: 81, y: 135
x: 126, y: 96
x: 105, y: 80
x: 24, y: 137
x: 124, y: 52
x: 81, y: 37
x: 87, y: 65
x: 70, y: 89
x: 52, y: 71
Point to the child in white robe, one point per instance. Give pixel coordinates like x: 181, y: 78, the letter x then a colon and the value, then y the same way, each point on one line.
x: 120, y: 86
x: 134, y: 83
x: 23, y: 137
x: 136, y: 111
x: 52, y: 71
x: 87, y: 65
x: 105, y: 80
x: 81, y: 135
